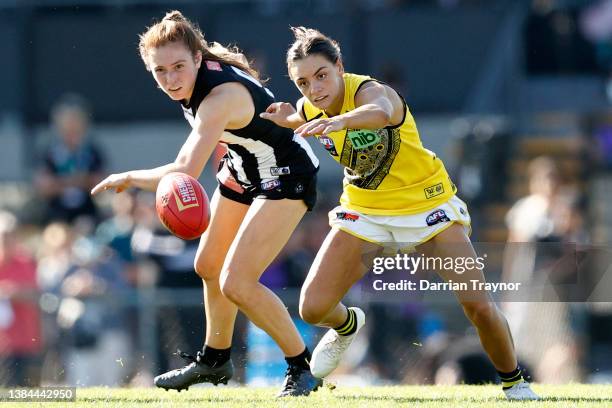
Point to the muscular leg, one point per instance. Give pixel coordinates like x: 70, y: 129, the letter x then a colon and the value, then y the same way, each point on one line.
x: 490, y: 324
x: 226, y: 217
x: 342, y: 260
x: 264, y: 232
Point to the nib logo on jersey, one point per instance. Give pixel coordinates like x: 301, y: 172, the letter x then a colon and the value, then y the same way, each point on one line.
x: 362, y: 139
x: 184, y: 194
x: 328, y: 144
x: 436, y: 217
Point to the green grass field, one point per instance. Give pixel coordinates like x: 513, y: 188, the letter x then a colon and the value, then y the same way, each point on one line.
x: 574, y: 395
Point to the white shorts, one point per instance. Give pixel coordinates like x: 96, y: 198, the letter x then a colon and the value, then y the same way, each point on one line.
x: 410, y: 229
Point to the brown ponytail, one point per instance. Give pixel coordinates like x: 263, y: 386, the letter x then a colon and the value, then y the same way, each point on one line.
x: 309, y: 41
x: 174, y: 27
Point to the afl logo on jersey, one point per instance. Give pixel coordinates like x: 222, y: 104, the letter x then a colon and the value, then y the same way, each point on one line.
x: 270, y: 185
x: 436, y: 217
x: 328, y: 144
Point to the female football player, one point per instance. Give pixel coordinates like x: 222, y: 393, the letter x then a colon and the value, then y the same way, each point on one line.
x: 266, y: 183
x: 395, y: 191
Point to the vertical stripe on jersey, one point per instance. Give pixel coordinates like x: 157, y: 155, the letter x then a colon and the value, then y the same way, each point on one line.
x: 236, y: 165
x: 263, y: 152
x: 304, y: 145
x: 245, y: 164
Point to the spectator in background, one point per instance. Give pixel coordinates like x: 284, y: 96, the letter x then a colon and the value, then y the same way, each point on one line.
x: 117, y: 233
x: 596, y: 24
x: 54, y: 257
x: 92, y: 314
x: 530, y: 218
x: 71, y: 165
x: 553, y: 42
x: 538, y: 225
x: 20, y: 334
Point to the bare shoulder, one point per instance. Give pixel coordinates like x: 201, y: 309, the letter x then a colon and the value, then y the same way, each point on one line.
x: 231, y: 92
x: 371, y: 87
x: 381, y: 94
x: 232, y: 101
x: 374, y: 90
x: 372, y: 84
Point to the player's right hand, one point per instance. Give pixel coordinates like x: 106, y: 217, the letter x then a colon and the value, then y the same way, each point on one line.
x: 279, y: 113
x: 118, y: 182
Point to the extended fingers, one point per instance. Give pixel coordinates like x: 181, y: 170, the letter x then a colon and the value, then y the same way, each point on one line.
x: 327, y: 130
x: 103, y: 185
x: 272, y: 111
x: 311, y: 128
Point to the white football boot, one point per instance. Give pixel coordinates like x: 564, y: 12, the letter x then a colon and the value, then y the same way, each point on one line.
x: 328, y: 353
x: 521, y: 392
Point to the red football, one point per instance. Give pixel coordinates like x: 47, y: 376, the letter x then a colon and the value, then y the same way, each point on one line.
x: 182, y: 205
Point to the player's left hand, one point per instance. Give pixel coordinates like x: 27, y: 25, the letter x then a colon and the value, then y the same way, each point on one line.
x: 118, y: 182
x: 321, y: 127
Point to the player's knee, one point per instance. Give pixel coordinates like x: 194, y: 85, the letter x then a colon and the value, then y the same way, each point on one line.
x: 311, y: 312
x: 208, y: 268
x: 480, y: 312
x: 234, y: 289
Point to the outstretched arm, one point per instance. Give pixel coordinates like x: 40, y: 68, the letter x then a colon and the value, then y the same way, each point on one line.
x: 213, y: 117
x: 377, y: 106
x: 284, y: 114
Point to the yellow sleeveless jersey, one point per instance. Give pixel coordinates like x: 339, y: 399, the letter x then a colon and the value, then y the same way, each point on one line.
x: 387, y: 171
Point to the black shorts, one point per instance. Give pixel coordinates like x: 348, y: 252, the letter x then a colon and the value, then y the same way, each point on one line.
x: 294, y: 188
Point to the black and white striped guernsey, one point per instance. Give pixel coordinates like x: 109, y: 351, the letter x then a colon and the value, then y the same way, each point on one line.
x: 261, y: 151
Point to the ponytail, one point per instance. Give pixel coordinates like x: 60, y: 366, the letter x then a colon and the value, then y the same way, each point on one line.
x: 175, y: 27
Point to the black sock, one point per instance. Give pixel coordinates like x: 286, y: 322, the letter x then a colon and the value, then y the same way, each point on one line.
x: 215, y: 357
x: 349, y: 326
x: 301, y: 360
x: 511, y: 378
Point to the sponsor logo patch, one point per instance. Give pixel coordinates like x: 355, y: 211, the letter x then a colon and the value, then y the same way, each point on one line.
x: 280, y: 171
x: 299, y: 188
x: 213, y: 66
x: 328, y: 144
x: 363, y: 138
x: 270, y: 185
x: 436, y: 217
x: 184, y: 194
x: 434, y: 190
x: 344, y: 216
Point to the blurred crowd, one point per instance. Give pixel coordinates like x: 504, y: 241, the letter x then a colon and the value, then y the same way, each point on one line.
x: 570, y: 37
